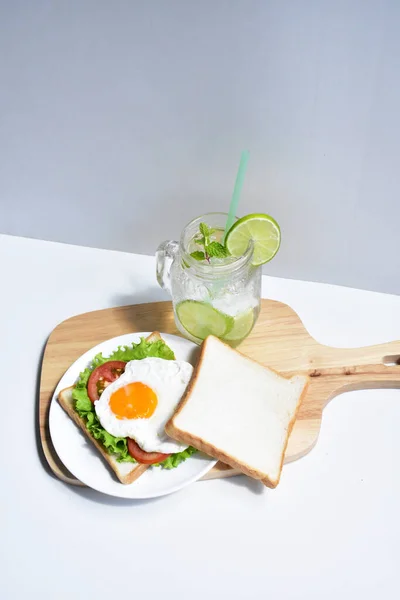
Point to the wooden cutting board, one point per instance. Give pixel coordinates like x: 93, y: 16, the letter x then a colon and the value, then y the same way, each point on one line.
x: 279, y: 340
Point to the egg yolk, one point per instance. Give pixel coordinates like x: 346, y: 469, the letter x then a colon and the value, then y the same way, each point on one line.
x: 133, y: 401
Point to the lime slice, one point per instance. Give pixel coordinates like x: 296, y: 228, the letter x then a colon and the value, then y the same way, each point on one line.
x: 262, y: 229
x: 201, y: 319
x: 242, y: 325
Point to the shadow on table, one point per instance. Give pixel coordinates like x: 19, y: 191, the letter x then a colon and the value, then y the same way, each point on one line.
x: 36, y: 416
x: 99, y: 498
x: 253, y: 485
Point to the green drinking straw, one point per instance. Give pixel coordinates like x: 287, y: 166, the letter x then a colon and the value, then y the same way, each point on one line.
x: 237, y: 191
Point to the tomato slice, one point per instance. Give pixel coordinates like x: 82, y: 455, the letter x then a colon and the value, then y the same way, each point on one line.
x: 146, y: 458
x: 102, y: 376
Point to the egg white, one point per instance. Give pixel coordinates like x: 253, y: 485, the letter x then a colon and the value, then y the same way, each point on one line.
x: 168, y: 379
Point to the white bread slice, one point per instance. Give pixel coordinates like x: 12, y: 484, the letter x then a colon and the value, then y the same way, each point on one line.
x: 238, y: 411
x: 125, y: 472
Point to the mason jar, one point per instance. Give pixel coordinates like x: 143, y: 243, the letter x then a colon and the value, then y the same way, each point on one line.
x: 218, y: 296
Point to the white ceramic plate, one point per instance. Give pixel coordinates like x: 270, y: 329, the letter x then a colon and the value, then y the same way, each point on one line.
x: 83, y: 460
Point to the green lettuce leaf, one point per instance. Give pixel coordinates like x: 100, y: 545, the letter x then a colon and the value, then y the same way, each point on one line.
x: 85, y: 408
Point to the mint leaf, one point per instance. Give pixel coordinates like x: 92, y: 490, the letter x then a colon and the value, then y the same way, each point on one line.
x: 198, y: 255
x: 200, y: 241
x: 204, y: 229
x: 217, y: 250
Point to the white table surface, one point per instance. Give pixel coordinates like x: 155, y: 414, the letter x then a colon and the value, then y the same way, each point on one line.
x: 330, y: 530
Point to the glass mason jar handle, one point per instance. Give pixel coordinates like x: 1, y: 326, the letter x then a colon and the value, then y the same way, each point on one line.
x: 165, y: 256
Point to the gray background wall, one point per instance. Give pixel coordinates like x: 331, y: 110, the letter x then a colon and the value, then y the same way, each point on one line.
x: 120, y: 121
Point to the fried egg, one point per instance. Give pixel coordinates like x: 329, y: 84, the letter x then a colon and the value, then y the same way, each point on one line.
x: 140, y: 402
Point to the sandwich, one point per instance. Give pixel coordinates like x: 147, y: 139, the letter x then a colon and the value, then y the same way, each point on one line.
x: 122, y: 403
x: 238, y: 411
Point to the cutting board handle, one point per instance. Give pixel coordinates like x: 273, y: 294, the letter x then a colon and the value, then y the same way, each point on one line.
x: 369, y: 367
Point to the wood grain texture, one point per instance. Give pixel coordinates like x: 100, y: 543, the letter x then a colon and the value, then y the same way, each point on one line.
x: 279, y: 340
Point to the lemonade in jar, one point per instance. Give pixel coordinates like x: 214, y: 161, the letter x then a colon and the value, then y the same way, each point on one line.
x: 214, y: 275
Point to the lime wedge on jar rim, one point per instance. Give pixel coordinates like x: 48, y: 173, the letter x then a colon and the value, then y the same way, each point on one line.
x: 242, y: 325
x: 262, y: 229
x: 201, y: 319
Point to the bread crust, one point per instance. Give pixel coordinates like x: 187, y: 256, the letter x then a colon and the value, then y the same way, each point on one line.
x: 66, y: 401
x: 187, y: 438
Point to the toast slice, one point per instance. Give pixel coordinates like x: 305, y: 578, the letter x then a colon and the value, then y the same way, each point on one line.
x: 238, y: 411
x: 125, y: 472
